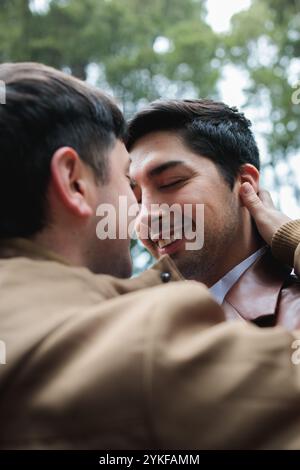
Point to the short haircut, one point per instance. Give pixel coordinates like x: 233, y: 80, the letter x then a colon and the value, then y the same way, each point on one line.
x: 208, y: 128
x: 47, y: 109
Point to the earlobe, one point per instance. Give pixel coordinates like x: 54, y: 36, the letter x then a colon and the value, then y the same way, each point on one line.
x: 67, y: 179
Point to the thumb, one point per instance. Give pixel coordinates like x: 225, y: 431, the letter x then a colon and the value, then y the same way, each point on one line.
x: 251, y: 200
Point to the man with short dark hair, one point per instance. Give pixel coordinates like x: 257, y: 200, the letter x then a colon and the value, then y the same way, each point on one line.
x: 64, y: 150
x: 202, y: 152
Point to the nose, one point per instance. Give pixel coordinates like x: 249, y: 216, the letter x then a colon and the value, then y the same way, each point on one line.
x: 156, y: 221
x: 147, y: 224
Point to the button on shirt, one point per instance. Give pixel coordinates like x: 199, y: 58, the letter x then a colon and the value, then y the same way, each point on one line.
x: 223, y: 286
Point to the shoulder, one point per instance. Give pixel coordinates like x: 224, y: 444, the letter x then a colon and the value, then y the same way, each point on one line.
x: 94, y: 364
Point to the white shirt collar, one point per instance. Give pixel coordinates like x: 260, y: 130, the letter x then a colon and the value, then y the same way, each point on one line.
x: 220, y: 289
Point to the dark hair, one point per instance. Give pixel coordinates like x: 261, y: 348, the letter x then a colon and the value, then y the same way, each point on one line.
x: 46, y: 109
x: 208, y: 128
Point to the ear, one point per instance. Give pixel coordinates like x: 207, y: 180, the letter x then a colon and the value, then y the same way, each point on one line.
x: 249, y: 174
x: 70, y: 180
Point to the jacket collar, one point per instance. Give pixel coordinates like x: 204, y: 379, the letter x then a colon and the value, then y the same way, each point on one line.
x: 256, y: 293
x: 164, y: 270
x: 22, y: 247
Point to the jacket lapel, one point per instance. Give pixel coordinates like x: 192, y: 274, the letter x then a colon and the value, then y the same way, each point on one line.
x: 255, y: 295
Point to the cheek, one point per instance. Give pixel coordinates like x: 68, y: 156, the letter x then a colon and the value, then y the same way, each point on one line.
x: 120, y: 189
x: 221, y: 213
x: 189, y: 194
x: 132, y: 200
x: 198, y: 191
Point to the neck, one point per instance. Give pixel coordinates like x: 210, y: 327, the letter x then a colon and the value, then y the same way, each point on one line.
x: 247, y: 242
x: 65, y: 245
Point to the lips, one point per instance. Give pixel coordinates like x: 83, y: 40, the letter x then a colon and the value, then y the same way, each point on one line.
x: 170, y: 244
x: 162, y: 243
x: 169, y: 247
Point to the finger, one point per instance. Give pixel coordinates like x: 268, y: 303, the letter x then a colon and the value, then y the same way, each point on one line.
x: 266, y: 198
x: 251, y: 200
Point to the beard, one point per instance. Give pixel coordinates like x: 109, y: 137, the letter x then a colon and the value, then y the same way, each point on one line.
x: 205, y: 265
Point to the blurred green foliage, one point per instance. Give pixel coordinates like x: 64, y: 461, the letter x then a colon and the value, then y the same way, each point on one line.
x: 273, y: 25
x: 120, y: 36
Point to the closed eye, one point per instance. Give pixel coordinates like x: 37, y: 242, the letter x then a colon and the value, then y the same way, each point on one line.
x: 172, y: 184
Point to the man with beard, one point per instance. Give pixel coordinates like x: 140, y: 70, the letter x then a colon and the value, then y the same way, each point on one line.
x: 203, y: 152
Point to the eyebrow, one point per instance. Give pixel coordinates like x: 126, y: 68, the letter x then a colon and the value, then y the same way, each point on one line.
x: 165, y: 166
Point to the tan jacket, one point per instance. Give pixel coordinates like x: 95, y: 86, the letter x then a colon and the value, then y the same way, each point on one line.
x: 286, y: 244
x: 97, y: 362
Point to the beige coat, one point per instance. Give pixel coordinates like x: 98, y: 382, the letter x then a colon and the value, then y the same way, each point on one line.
x: 97, y: 362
